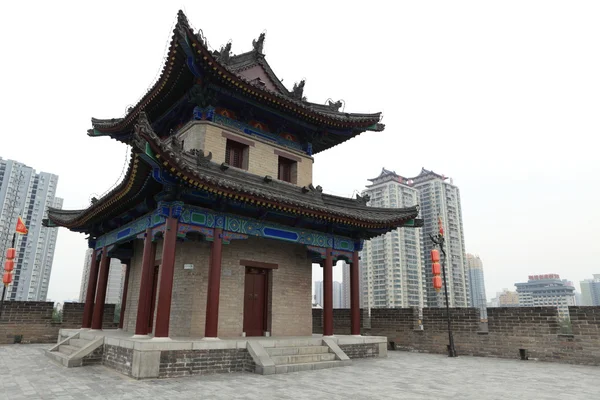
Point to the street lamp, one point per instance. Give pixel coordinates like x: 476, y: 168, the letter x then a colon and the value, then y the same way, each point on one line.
x: 435, y: 258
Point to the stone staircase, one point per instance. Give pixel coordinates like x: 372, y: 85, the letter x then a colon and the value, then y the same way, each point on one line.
x: 74, y: 349
x: 289, y: 355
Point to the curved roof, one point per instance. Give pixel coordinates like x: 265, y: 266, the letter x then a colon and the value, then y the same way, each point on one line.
x: 195, y: 169
x: 187, y: 48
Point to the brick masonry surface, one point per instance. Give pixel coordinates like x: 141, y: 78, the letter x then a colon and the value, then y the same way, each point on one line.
x: 178, y: 363
x: 534, y: 329
x: 94, y: 358
x: 341, y: 320
x: 118, y: 358
x: 289, y: 290
x: 31, y: 321
x: 362, y: 350
x: 262, y: 159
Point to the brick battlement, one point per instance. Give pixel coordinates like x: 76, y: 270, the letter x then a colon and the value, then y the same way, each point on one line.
x: 31, y: 321
x: 535, y: 329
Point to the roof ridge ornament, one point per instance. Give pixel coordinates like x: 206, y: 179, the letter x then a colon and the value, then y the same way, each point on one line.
x: 315, y: 191
x: 142, y: 130
x: 298, y: 90
x: 201, y: 158
x: 259, y: 43
x: 224, y: 54
x: 334, y: 106
x: 363, y: 199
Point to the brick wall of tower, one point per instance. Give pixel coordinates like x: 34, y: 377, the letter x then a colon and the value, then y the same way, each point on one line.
x: 289, y: 289
x: 262, y: 159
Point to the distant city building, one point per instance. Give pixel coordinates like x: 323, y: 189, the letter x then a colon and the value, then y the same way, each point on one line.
x: 28, y: 194
x: 338, y: 298
x: 590, y: 291
x: 508, y: 298
x: 337, y: 294
x: 439, y: 197
x: 477, y: 284
x: 318, y: 290
x: 345, y: 283
x: 116, y: 279
x: 547, y: 290
x: 391, y: 265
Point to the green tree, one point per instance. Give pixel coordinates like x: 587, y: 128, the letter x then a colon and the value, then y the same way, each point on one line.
x: 57, y: 313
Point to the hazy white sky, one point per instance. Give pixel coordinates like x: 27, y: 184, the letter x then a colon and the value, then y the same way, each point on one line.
x: 504, y: 97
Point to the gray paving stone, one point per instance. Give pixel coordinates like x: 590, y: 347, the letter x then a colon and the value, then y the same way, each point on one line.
x: 31, y: 375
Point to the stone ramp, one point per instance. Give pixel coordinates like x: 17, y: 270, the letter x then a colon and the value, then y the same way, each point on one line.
x: 294, y: 355
x: 75, y: 348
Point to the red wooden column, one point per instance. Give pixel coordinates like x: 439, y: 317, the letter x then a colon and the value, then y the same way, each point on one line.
x: 328, y: 295
x: 214, y: 286
x: 101, y: 291
x: 163, y: 310
x: 354, y: 296
x: 148, y: 257
x: 124, y: 295
x: 88, y: 308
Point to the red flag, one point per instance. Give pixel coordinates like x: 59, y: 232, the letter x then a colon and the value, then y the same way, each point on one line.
x: 440, y: 225
x: 21, y: 228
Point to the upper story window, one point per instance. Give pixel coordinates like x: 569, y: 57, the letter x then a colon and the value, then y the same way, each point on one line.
x: 236, y: 154
x: 287, y: 170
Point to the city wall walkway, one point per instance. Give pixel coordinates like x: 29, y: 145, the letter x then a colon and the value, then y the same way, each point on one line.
x: 28, y: 374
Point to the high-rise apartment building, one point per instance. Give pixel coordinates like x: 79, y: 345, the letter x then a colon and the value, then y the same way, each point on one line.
x: 338, y: 298
x: 116, y: 279
x: 547, y: 290
x: 391, y: 265
x: 396, y: 268
x: 28, y: 194
x: 440, y: 198
x: 318, y: 297
x: 337, y: 294
x: 346, y: 283
x: 590, y: 291
x: 477, y: 284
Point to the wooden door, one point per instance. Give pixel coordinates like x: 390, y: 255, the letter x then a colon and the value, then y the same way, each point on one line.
x: 153, y: 298
x: 255, y: 301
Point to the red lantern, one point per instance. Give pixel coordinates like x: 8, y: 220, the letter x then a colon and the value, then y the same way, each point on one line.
x: 435, y: 256
x: 11, y: 253
x: 7, y: 278
x: 435, y: 268
x: 437, y: 282
x: 9, y: 265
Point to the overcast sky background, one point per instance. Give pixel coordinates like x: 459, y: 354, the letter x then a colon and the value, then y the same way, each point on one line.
x: 503, y: 97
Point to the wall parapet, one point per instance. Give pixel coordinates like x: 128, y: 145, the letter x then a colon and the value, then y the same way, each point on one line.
x: 509, y: 329
x: 31, y: 321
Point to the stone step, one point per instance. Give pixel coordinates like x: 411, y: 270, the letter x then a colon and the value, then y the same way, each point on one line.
x: 300, y: 342
x: 289, y: 351
x: 303, y: 358
x: 285, y: 368
x: 78, y: 342
x: 60, y: 358
x: 67, y: 349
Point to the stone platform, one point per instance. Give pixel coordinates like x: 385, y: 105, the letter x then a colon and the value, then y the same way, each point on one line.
x: 147, y: 357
